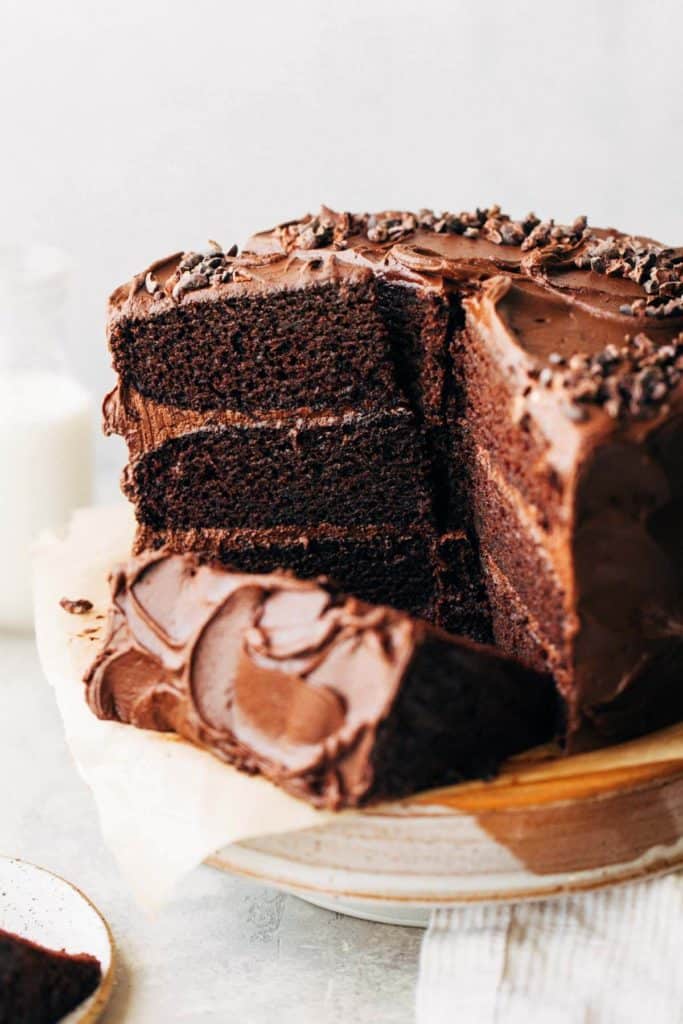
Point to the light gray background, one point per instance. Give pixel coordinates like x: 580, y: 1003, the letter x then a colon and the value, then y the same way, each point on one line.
x: 132, y: 128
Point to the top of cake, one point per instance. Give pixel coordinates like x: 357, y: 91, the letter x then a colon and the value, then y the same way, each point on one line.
x: 597, y: 315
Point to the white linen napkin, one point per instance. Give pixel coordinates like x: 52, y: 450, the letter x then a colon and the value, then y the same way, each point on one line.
x: 608, y: 957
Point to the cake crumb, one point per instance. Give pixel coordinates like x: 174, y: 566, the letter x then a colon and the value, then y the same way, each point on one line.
x: 80, y: 606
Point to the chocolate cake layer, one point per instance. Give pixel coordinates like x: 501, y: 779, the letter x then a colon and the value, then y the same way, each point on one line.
x: 346, y: 471
x: 379, y: 564
x: 418, y: 325
x: 537, y: 344
x: 41, y: 986
x: 432, y: 578
x: 513, y: 442
x: 421, y: 324
x: 513, y: 627
x: 509, y: 533
x: 251, y: 350
x: 338, y: 701
x: 462, y: 603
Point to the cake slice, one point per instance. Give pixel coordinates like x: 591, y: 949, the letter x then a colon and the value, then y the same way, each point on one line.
x: 39, y: 985
x: 286, y: 389
x: 337, y: 701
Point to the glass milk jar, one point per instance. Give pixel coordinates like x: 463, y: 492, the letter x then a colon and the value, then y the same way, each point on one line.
x: 45, y: 420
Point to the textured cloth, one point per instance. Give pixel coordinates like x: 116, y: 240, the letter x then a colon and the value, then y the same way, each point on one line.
x: 609, y: 957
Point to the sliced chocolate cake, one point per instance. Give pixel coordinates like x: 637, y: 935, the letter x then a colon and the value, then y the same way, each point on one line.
x: 338, y: 701
x: 40, y: 986
x: 474, y: 419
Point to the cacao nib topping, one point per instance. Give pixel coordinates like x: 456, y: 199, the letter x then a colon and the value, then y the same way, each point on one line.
x: 391, y: 226
x: 198, y: 270
x: 330, y: 228
x: 315, y: 232
x: 633, y: 380
x: 656, y: 268
x: 548, y: 233
x: 489, y: 223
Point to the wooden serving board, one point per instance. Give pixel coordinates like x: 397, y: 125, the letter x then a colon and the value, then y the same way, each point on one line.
x: 548, y: 824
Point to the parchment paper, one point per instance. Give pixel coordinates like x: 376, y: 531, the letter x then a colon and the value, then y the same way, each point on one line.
x: 164, y: 805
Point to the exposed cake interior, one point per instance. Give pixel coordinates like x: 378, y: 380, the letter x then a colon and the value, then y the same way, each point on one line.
x: 361, y: 474
x: 460, y: 712
x: 356, y: 470
x: 202, y: 358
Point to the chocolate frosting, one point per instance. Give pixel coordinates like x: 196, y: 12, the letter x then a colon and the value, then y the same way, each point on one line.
x: 335, y: 700
x: 549, y: 291
x: 271, y: 673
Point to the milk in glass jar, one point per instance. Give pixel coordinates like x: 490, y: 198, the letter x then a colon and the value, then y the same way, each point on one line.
x: 45, y: 420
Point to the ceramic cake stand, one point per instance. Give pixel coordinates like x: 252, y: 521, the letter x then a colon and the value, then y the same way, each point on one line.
x: 544, y: 827
x: 547, y: 825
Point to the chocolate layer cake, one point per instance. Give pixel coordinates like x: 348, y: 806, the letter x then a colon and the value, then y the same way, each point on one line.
x: 485, y: 414
x: 40, y: 986
x: 336, y: 700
